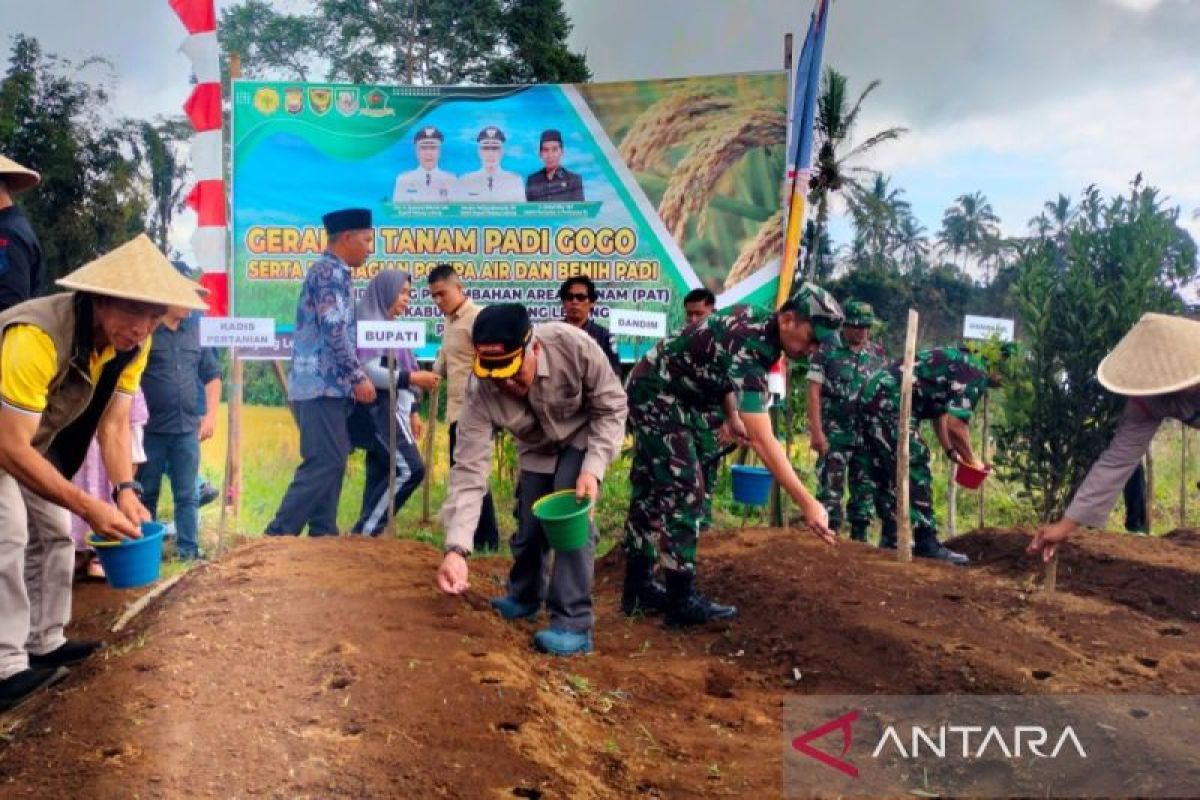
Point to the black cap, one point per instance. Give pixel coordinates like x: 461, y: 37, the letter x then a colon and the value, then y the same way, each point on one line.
x: 490, y: 133
x: 550, y: 135
x: 427, y: 133
x: 500, y: 334
x: 348, y: 219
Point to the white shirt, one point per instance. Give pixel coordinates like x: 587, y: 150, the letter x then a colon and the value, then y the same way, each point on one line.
x: 500, y: 186
x: 424, y: 186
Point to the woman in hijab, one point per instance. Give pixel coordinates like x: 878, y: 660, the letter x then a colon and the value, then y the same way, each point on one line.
x: 387, y: 296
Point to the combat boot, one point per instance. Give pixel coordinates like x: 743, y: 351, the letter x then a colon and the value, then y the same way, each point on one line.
x: 887, y: 534
x: 927, y: 546
x: 641, y: 593
x: 686, y: 606
x: 858, y: 531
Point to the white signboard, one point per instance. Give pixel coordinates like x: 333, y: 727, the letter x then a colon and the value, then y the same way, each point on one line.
x: 637, y: 323
x: 988, y: 327
x: 391, y: 335
x: 237, y: 332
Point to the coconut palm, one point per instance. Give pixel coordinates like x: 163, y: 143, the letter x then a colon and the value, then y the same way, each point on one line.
x: 833, y: 169
x: 877, y: 211
x: 967, y: 224
x: 911, y: 240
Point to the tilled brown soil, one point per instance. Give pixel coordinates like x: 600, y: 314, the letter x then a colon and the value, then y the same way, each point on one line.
x: 317, y: 668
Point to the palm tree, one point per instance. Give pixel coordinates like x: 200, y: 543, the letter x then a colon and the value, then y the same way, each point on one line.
x: 911, y: 240
x: 833, y: 172
x: 877, y: 211
x: 968, y: 224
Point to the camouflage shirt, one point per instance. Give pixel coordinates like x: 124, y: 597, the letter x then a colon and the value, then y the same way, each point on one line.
x: 731, y: 350
x: 842, y: 371
x: 946, y: 380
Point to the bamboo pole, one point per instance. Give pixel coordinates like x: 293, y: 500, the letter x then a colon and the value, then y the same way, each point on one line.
x: 391, y: 518
x: 1149, y: 491
x: 428, y: 454
x: 983, y: 449
x: 903, y: 523
x: 1050, y: 583
x: 231, y: 491
x: 1183, y: 471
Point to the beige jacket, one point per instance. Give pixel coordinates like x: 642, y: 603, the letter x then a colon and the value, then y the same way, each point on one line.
x: 456, y: 355
x: 575, y: 400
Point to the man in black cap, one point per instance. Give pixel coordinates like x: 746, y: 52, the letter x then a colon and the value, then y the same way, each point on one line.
x: 491, y: 183
x: 22, y: 267
x: 578, y: 295
x: 427, y: 183
x: 553, y: 389
x: 554, y: 183
x: 326, y: 377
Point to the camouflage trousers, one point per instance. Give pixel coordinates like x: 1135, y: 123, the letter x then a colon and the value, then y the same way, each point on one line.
x: 832, y: 470
x: 707, y: 448
x: 667, y: 495
x: 876, y: 458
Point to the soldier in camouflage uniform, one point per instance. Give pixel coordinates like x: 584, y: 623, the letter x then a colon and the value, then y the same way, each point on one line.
x: 699, y: 305
x: 721, y: 361
x: 947, y: 385
x: 835, y: 375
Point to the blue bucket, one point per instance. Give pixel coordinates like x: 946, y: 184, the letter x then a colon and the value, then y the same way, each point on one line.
x: 131, y: 563
x: 751, y: 485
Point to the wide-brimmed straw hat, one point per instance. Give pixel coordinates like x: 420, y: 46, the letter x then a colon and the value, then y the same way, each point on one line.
x: 1159, y: 355
x: 16, y: 177
x: 136, y: 270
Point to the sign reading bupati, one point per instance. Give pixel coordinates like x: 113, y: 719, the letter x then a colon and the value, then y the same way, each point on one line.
x: 237, y: 332
x: 390, y: 335
x: 636, y: 185
x: 988, y: 327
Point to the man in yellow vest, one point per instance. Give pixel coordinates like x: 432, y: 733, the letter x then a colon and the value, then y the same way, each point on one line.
x: 69, y: 367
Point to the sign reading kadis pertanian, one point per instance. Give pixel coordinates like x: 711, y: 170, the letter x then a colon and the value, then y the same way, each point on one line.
x: 237, y: 332
x: 638, y: 186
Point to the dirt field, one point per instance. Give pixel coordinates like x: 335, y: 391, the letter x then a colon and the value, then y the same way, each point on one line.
x: 334, y: 669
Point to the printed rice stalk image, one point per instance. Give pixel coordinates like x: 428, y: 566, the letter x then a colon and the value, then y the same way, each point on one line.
x: 709, y: 153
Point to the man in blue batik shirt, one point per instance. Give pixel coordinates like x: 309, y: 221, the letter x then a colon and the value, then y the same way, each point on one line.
x: 326, y: 378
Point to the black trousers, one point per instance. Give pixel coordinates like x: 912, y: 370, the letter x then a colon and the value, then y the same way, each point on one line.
x: 369, y: 430
x: 312, y: 499
x: 565, y: 586
x: 487, y: 535
x: 1135, y: 500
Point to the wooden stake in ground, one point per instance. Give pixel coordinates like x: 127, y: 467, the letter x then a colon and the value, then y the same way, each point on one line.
x: 983, y: 449
x: 391, y: 523
x: 1050, y: 583
x: 903, y: 523
x: 428, y: 454
x: 1149, y: 493
x: 1183, y: 474
x: 951, y: 503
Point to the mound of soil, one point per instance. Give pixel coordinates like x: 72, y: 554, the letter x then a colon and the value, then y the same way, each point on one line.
x: 318, y: 668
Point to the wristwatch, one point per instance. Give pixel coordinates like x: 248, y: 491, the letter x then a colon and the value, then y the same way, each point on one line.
x: 123, y: 485
x: 462, y: 551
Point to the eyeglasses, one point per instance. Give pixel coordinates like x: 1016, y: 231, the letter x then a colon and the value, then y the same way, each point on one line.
x: 578, y: 297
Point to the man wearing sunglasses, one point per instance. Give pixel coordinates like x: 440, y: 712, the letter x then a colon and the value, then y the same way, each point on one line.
x: 69, y: 367
x: 579, y: 296
x: 554, y: 390
x: 491, y: 183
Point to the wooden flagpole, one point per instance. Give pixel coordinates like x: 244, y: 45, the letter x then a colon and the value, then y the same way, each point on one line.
x: 231, y: 492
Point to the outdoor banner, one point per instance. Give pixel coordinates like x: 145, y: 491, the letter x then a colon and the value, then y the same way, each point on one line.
x: 651, y: 188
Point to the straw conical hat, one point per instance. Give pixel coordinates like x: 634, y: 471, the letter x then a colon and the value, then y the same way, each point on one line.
x: 136, y: 271
x: 18, y: 178
x: 1159, y: 355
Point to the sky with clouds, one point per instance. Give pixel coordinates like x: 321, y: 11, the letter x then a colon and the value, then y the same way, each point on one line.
x: 1019, y: 99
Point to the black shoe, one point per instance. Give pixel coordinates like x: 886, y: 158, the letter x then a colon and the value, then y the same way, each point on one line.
x: 858, y: 533
x: 641, y: 593
x: 938, y: 552
x: 206, y: 494
x: 887, y: 534
x: 72, y: 651
x: 686, y: 606
x: 16, y: 689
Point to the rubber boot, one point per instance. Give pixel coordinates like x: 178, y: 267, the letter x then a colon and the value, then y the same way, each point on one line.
x: 641, y: 594
x: 687, y: 607
x: 887, y: 534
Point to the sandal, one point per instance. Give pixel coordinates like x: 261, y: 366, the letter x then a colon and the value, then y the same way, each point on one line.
x: 94, y: 570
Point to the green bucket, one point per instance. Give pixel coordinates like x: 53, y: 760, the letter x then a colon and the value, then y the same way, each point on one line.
x: 564, y: 519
